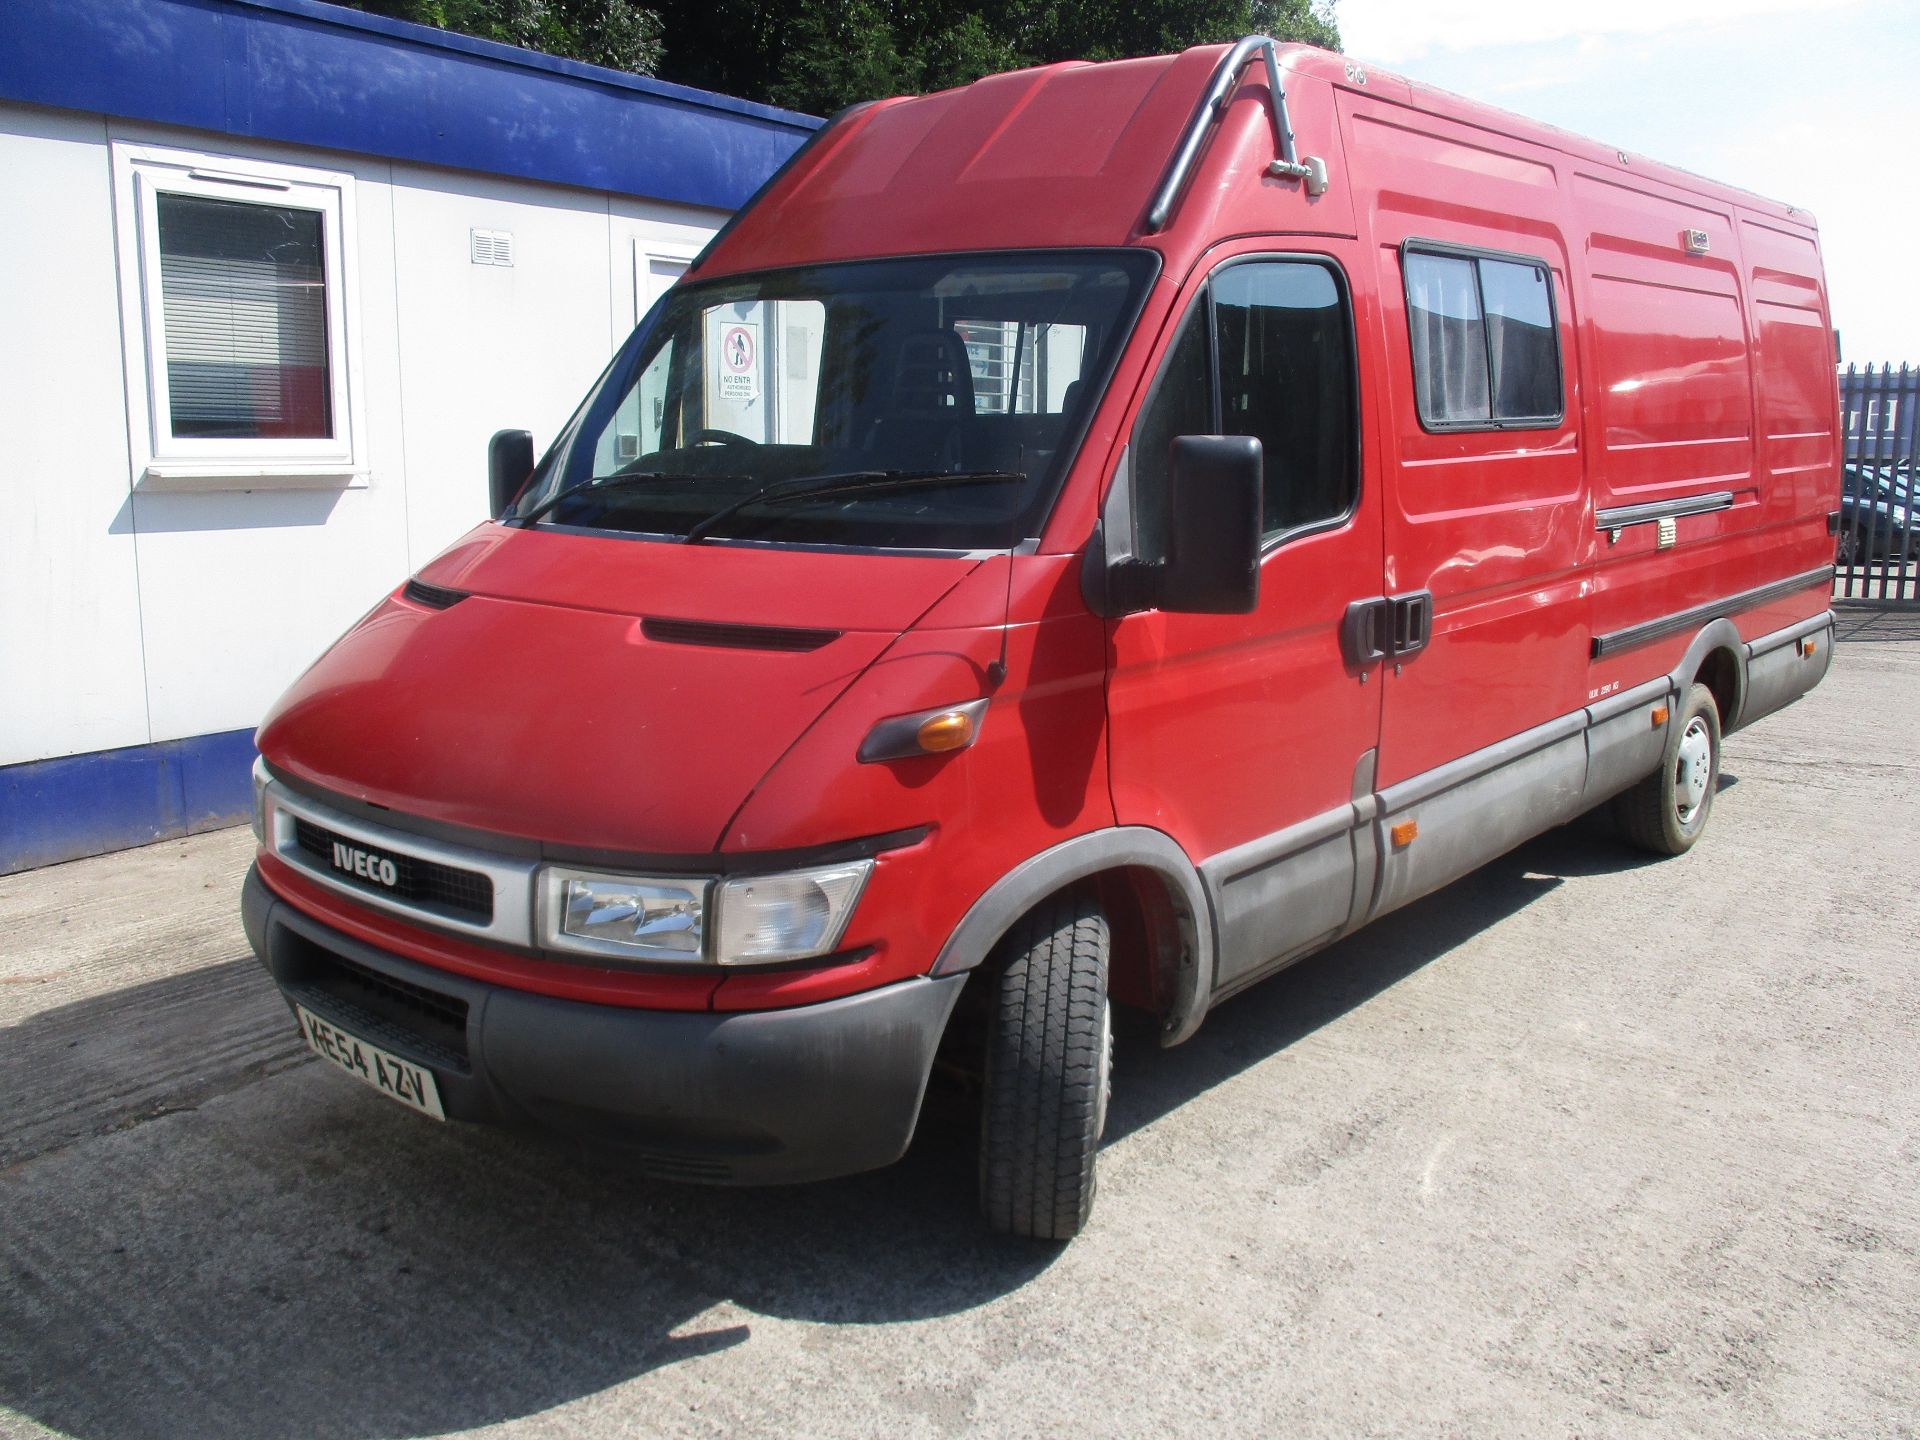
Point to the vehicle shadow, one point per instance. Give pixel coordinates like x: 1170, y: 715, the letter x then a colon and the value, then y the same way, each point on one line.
x: 300, y: 1258
x: 1264, y: 1020
x: 1877, y: 626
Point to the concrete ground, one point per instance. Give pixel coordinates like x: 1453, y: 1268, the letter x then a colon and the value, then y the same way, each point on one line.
x: 1584, y: 1145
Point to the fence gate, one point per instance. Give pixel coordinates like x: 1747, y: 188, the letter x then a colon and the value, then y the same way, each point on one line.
x: 1877, y: 550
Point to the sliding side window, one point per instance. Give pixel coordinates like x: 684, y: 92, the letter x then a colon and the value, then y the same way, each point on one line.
x: 1486, y: 350
x: 1267, y: 351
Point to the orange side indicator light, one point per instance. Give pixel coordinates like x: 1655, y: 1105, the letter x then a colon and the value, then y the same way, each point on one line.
x: 949, y: 730
x: 1403, y: 834
x: 1659, y: 716
x: 1807, y: 647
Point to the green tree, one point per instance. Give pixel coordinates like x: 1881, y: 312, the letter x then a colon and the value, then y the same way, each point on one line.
x: 822, y: 55
x: 841, y: 47
x: 827, y: 55
x: 619, y: 34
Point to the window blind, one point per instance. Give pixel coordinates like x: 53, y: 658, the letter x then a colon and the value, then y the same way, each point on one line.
x: 244, y: 303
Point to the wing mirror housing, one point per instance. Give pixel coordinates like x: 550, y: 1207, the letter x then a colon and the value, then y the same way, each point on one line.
x: 1212, y: 564
x: 509, y: 466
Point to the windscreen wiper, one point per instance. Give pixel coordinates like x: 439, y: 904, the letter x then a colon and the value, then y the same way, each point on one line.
x: 822, y: 487
x: 618, y: 482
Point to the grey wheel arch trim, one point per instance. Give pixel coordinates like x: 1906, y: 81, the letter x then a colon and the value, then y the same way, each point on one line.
x: 1719, y: 634
x: 1031, y: 881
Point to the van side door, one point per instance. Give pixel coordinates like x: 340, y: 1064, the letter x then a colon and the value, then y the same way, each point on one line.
x: 1247, y: 737
x: 1489, y: 533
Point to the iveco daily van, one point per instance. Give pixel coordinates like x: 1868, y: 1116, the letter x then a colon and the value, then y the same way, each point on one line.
x: 1083, y: 540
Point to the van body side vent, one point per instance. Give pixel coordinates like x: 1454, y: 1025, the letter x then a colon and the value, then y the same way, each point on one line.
x: 432, y: 596
x: 735, y: 637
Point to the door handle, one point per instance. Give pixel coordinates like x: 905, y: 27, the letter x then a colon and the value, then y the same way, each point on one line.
x: 1412, y: 624
x: 1364, y: 633
x: 1387, y: 627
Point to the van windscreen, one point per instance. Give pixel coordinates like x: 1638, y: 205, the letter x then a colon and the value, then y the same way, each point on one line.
x: 834, y: 404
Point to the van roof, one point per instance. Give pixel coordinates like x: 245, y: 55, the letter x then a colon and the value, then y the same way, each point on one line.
x: 1070, y: 155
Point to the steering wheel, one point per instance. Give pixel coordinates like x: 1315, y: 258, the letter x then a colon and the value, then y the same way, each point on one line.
x: 719, y: 437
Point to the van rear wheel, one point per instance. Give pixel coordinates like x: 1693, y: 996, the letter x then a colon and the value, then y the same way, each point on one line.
x: 1049, y: 1063
x: 1667, y: 811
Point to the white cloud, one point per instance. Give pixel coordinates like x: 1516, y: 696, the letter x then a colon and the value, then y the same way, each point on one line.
x: 1392, y: 31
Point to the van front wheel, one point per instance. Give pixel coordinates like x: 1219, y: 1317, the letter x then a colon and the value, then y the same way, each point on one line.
x: 1666, y: 812
x: 1049, y: 1063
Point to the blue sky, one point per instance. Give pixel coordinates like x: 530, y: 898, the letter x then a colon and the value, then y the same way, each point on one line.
x: 1813, y: 102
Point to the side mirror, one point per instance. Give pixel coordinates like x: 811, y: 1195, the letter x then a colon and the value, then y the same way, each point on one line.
x: 1213, y: 527
x: 509, y: 464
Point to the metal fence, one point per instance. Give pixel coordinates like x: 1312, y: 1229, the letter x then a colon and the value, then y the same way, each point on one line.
x: 1877, y: 554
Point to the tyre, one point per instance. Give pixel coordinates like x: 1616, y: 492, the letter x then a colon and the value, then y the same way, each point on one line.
x: 1666, y: 812
x: 1048, y: 1066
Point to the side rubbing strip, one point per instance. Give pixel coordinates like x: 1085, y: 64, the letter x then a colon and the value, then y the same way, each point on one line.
x: 1649, y: 511
x: 1615, y: 641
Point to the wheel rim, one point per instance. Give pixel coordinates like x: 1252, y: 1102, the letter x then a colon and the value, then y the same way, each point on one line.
x: 1693, y: 770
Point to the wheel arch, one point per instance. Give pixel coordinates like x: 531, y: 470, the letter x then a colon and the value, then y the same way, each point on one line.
x: 1133, y: 864
x: 1717, y: 658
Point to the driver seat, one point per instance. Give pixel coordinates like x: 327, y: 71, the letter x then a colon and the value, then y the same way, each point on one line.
x: 930, y: 406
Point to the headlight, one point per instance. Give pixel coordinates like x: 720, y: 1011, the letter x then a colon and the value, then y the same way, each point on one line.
x: 768, y: 918
x: 754, y: 920
x: 623, y: 916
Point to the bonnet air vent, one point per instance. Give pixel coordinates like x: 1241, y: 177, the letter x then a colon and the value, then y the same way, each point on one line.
x: 432, y: 596
x: 735, y: 637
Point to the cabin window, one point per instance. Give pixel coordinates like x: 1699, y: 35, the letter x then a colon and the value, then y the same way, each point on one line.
x: 1182, y: 404
x: 238, y: 314
x: 1486, y: 350
x: 1267, y: 352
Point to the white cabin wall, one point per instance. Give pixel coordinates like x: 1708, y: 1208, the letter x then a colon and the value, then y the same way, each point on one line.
x: 494, y: 347
x: 133, y: 610
x: 240, y: 589
x: 71, y: 674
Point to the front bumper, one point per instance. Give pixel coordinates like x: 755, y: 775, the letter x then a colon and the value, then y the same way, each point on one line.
x: 754, y: 1097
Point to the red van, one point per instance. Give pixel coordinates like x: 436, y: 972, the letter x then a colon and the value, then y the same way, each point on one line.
x: 1087, y: 539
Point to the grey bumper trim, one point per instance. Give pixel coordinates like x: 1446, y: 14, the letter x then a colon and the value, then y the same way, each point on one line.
x: 748, y: 1097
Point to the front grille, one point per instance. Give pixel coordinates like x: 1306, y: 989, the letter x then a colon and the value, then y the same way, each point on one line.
x: 464, y: 894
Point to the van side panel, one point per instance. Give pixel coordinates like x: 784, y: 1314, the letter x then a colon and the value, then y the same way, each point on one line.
x: 1736, y: 442
x: 1670, y: 410
x: 1671, y: 394
x: 1798, y: 391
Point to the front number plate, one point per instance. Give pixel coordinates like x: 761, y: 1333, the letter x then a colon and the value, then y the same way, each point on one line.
x: 385, y: 1071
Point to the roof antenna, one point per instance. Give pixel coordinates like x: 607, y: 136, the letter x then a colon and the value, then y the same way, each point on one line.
x: 997, y: 671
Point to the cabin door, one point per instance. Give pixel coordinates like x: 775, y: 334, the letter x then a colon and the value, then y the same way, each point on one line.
x: 1247, y: 737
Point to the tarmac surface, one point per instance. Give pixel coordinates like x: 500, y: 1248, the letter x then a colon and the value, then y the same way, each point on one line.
x: 1585, y: 1144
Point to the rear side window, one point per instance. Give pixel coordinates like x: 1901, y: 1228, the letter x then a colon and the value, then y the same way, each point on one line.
x: 1267, y: 352
x: 1486, y: 351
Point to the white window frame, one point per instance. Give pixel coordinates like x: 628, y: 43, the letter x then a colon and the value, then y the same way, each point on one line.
x: 645, y: 254
x: 142, y: 173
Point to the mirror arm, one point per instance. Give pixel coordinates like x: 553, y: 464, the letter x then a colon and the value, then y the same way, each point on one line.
x: 1133, y: 585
